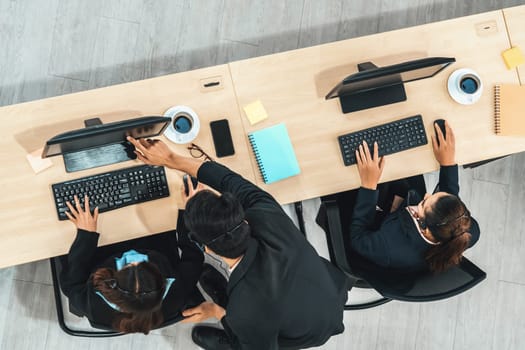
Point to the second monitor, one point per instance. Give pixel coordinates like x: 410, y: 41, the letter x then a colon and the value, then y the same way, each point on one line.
x: 376, y: 86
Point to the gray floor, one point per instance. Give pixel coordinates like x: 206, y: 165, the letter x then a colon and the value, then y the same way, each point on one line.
x: 55, y: 47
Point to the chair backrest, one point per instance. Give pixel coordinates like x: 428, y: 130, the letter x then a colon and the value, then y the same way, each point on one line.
x: 424, y: 286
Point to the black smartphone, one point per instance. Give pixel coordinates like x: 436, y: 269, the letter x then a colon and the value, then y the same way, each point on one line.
x: 185, y: 182
x: 222, y: 138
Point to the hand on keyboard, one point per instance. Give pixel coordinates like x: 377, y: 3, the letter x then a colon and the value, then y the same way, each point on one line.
x: 82, y: 217
x: 369, y: 166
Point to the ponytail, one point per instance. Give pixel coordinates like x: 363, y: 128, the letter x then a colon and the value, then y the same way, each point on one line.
x: 448, y: 221
x: 445, y: 255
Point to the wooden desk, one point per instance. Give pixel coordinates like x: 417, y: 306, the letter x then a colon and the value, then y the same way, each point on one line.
x: 292, y: 86
x: 515, y: 20
x: 30, y: 229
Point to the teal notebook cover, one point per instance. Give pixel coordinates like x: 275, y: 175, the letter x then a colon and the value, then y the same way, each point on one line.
x: 274, y: 153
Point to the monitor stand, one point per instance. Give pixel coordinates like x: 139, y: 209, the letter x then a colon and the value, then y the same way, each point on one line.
x: 372, y: 98
x: 98, y: 156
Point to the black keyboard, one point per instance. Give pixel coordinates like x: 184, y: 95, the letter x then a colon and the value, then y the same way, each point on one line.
x: 113, y: 190
x: 391, y: 138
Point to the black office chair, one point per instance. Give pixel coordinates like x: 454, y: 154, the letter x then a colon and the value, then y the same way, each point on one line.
x: 392, y: 285
x: 97, y: 331
x: 56, y: 267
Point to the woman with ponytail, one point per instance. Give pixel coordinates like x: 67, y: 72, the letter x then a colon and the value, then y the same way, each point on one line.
x: 133, y: 286
x: 419, y: 232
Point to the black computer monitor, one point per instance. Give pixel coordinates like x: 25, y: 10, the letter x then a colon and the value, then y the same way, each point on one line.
x: 376, y: 86
x: 101, y: 144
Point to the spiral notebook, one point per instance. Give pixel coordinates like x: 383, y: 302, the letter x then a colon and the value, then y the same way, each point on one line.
x: 274, y: 153
x: 509, y: 110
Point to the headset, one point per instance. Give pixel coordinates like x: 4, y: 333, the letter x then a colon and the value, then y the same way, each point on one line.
x: 434, y: 227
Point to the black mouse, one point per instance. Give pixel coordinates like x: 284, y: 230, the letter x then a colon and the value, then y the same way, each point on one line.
x: 441, y: 124
x: 185, y: 181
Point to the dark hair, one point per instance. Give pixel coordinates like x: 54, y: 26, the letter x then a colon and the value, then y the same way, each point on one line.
x: 137, y: 291
x: 448, y: 221
x: 212, y: 218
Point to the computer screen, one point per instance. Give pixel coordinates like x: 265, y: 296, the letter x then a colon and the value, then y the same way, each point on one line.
x: 102, y: 144
x: 375, y: 86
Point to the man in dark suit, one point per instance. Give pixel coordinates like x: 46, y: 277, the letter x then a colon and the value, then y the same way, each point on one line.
x: 281, y: 294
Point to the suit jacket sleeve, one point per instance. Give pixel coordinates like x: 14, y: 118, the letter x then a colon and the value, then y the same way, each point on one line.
x: 449, y: 179
x: 75, y: 274
x: 224, y: 180
x: 364, y: 239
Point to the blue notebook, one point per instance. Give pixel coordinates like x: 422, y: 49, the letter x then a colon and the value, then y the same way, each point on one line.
x: 274, y: 153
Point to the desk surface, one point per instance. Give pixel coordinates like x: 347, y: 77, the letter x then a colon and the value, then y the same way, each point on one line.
x: 291, y: 86
x: 30, y: 228
x: 515, y: 20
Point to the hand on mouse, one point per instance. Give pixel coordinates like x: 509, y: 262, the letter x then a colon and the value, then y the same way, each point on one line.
x: 445, y: 151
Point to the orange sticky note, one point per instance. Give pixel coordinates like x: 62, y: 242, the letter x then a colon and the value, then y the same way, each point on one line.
x: 513, y: 57
x: 37, y: 162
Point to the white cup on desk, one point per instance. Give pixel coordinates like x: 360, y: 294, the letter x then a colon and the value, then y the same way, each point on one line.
x: 184, y: 126
x: 465, y: 86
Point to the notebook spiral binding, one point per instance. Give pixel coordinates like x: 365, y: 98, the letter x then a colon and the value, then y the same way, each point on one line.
x: 258, y: 158
x: 497, y: 109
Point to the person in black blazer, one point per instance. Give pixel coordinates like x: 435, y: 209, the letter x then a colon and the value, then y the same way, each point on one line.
x: 281, y: 293
x: 420, y: 232
x: 132, y: 286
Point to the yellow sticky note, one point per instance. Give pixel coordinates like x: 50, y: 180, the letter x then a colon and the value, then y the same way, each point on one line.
x: 37, y: 163
x: 255, y: 112
x: 513, y: 57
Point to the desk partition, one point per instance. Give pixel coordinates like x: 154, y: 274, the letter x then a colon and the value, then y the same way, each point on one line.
x: 291, y: 86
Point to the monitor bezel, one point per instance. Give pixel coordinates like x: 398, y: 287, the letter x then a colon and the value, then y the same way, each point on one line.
x: 101, y: 129
x: 392, y: 70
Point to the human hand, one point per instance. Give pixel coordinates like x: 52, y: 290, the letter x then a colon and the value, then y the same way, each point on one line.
x: 370, y: 168
x: 445, y: 152
x: 202, y: 312
x: 153, y: 152
x: 82, y: 218
x: 191, y: 191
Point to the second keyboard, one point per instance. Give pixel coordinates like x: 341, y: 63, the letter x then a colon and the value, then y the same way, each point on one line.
x: 391, y: 138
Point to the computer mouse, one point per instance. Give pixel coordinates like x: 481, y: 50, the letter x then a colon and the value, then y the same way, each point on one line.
x: 194, y: 182
x: 441, y: 124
